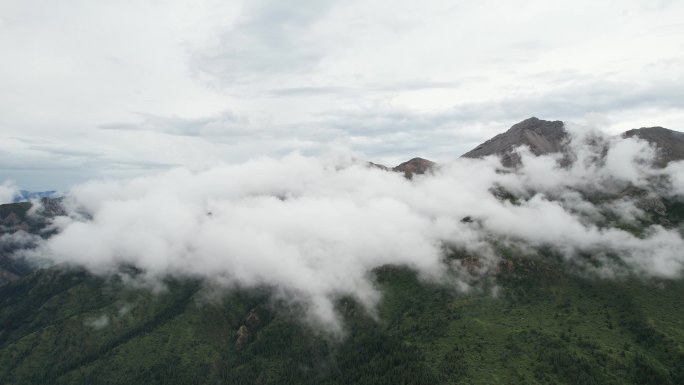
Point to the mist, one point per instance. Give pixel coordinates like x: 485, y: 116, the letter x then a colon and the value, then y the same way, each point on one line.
x: 8, y: 190
x: 314, y: 228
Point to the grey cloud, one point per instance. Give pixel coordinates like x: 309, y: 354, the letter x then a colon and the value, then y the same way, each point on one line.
x: 376, y: 78
x: 563, y: 102
x: 224, y: 124
x: 397, y: 86
x: 567, y: 103
x: 269, y: 37
x: 418, y: 84
x: 312, y: 91
x: 118, y: 126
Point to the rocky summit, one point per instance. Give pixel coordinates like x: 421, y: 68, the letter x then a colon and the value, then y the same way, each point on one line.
x: 415, y: 166
x: 541, y: 136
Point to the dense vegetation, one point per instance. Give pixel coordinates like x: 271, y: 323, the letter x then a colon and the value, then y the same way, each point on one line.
x: 535, y: 320
x: 543, y: 326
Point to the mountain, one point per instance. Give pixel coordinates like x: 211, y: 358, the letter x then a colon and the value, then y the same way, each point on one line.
x: 409, y: 168
x: 670, y: 144
x: 14, y: 219
x: 546, y: 326
x: 545, y: 137
x: 541, y: 136
x: 414, y: 166
x: 537, y: 318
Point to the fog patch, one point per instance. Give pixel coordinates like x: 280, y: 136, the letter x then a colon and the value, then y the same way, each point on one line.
x: 98, y: 323
x: 8, y: 190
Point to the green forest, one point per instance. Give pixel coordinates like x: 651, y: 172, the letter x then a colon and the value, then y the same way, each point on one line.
x: 538, y: 321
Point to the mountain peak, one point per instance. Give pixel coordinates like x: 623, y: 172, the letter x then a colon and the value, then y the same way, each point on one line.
x: 415, y: 166
x: 537, y: 125
x: 541, y: 136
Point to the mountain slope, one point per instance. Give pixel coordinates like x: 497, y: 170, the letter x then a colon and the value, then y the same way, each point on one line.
x: 545, y: 327
x: 18, y: 222
x: 670, y: 144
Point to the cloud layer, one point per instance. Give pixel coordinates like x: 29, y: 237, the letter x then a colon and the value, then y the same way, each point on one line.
x: 93, y: 90
x: 313, y: 228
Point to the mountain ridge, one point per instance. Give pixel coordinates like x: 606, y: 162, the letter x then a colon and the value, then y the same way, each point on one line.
x: 541, y: 136
x: 545, y: 137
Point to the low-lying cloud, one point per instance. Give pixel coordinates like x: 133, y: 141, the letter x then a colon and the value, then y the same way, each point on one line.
x: 8, y: 191
x: 315, y: 228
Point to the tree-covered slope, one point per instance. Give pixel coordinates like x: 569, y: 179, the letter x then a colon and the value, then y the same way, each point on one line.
x: 541, y: 324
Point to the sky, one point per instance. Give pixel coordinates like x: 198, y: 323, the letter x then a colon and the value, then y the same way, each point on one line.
x: 118, y: 89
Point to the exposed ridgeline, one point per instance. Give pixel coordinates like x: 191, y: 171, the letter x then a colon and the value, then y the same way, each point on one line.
x: 541, y: 136
x: 546, y: 137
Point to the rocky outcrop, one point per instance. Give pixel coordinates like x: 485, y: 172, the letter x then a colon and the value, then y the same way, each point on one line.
x: 244, y: 333
x: 242, y: 338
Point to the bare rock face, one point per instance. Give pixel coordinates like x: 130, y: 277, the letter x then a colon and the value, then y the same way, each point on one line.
x: 541, y: 136
x: 669, y: 143
x: 415, y: 166
x: 249, y: 327
x: 252, y: 320
x: 242, y: 338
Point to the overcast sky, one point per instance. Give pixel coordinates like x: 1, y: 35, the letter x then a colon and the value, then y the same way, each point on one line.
x: 101, y: 89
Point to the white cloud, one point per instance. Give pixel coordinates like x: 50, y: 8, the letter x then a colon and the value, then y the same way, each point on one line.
x: 98, y: 323
x: 8, y: 190
x: 676, y: 172
x: 314, y: 228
